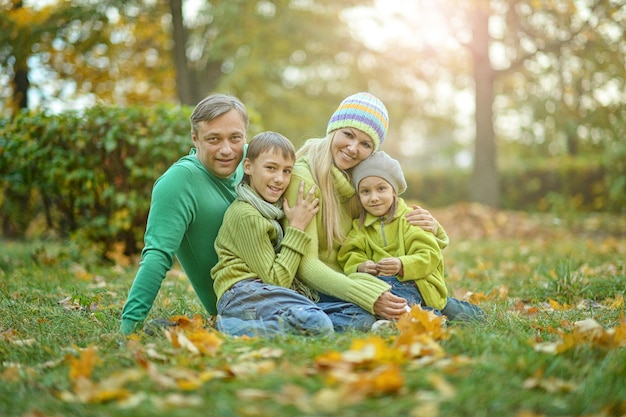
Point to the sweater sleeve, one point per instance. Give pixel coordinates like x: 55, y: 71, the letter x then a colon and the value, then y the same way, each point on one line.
x: 170, y: 213
x: 358, y: 288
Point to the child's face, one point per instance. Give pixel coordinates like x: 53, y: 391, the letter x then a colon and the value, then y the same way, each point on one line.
x: 376, y: 195
x: 270, y: 174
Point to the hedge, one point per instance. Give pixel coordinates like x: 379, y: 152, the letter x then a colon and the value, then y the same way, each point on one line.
x: 90, y: 174
x: 567, y: 184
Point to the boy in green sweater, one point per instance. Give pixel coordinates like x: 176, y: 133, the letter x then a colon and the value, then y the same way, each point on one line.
x: 254, y: 279
x: 384, y: 244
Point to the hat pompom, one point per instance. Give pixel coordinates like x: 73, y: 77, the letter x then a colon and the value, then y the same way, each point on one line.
x: 362, y: 111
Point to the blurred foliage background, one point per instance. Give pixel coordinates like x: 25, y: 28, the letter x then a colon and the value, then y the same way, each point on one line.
x: 518, y: 104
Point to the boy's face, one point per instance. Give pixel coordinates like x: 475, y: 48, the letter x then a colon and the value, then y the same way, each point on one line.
x: 376, y: 195
x: 270, y: 174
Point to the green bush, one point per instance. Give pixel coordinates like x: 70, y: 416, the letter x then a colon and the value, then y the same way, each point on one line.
x: 567, y: 184
x: 88, y: 174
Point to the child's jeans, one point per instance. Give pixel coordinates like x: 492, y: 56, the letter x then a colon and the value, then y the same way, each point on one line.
x: 455, y: 310
x: 254, y: 308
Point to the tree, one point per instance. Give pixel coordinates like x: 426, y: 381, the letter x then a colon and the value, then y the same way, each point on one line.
x: 554, y: 67
x: 110, y: 51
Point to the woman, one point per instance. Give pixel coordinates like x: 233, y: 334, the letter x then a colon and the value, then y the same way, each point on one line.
x: 356, y: 129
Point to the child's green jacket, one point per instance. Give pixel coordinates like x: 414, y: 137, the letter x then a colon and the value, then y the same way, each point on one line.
x: 419, y: 251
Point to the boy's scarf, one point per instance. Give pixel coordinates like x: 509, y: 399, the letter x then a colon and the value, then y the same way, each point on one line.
x: 273, y: 213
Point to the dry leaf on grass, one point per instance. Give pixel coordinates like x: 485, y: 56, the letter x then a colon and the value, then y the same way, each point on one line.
x: 588, y: 332
x: 193, y: 336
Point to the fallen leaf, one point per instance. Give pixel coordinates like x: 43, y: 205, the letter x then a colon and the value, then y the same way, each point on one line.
x: 82, y: 367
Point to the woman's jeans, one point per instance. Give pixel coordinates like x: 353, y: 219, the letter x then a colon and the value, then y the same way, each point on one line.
x: 254, y: 308
x: 455, y: 310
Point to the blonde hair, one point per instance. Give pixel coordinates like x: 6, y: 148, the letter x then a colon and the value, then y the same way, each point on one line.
x: 321, y: 162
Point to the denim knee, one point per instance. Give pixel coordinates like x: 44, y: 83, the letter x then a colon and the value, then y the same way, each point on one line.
x: 312, y: 322
x: 457, y: 310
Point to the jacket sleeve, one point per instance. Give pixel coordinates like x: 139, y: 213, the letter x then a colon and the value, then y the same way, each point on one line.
x: 423, y: 254
x: 352, y: 252
x: 442, y: 237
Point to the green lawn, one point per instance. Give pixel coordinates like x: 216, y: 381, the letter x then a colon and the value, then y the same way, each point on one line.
x: 553, y: 344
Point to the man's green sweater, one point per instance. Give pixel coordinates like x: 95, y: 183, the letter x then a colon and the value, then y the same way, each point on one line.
x: 186, y: 211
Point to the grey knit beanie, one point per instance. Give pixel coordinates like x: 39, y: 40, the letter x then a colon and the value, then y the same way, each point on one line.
x: 379, y: 164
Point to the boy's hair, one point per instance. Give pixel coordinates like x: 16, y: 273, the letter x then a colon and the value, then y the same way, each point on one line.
x: 270, y: 141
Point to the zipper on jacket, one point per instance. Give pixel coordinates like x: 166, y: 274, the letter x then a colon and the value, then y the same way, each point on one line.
x: 382, y: 230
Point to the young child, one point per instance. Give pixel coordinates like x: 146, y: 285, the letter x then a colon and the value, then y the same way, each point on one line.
x: 254, y: 278
x: 384, y: 244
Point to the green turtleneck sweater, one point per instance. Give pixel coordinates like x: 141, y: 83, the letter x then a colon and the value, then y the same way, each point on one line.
x: 186, y: 211
x: 320, y: 270
x: 418, y: 250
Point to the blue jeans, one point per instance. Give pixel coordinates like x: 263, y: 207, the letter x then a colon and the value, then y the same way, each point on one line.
x: 455, y: 310
x: 345, y: 315
x: 254, y: 308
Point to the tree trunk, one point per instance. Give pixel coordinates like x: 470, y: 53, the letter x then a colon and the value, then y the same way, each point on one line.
x: 20, y: 82
x: 183, y: 79
x: 484, y: 185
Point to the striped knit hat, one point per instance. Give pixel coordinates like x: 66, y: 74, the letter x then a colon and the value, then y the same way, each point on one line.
x: 362, y: 111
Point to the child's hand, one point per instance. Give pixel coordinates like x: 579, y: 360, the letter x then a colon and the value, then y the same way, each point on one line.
x: 300, y: 215
x: 389, y: 266
x: 369, y: 267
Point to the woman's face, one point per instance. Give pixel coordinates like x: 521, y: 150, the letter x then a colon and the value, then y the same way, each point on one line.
x: 350, y: 146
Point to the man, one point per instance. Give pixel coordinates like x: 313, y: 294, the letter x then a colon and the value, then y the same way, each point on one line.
x: 188, y: 203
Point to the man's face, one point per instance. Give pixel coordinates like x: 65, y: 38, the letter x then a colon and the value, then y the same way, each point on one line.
x: 220, y: 143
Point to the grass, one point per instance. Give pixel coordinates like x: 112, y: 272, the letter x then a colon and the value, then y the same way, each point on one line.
x: 534, y: 277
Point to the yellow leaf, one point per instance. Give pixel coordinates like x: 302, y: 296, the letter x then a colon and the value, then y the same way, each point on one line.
x: 383, y: 380
x: 558, y: 307
x: 82, y: 367
x: 618, y: 304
